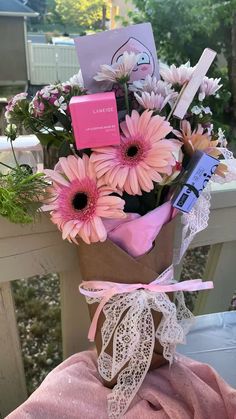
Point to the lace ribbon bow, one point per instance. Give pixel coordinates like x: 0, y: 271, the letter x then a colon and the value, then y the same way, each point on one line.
x: 129, y: 324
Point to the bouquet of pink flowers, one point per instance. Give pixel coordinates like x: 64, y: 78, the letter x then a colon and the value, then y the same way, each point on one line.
x: 116, y: 193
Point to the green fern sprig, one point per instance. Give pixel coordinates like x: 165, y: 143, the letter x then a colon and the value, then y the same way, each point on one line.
x: 22, y: 194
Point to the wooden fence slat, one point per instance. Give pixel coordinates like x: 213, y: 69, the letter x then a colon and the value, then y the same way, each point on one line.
x: 12, y: 377
x: 221, y: 269
x: 74, y: 313
x: 221, y: 228
x: 38, y: 262
x: 11, y: 247
x: 11, y: 230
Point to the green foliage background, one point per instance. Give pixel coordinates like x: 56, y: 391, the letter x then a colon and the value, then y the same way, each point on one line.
x: 69, y: 15
x: 84, y: 13
x: 183, y: 28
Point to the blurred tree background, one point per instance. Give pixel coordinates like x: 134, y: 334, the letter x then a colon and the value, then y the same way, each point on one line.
x: 183, y: 28
x: 69, y: 15
x: 89, y: 14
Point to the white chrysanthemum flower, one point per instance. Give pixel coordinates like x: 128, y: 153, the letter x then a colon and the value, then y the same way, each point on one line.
x: 209, y: 87
x: 76, y: 80
x: 221, y: 138
x: 152, y: 101
x: 176, y: 75
x: 118, y: 72
x: 152, y: 93
x: 151, y: 84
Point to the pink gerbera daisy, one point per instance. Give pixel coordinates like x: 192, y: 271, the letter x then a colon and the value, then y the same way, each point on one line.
x: 80, y: 201
x: 142, y: 156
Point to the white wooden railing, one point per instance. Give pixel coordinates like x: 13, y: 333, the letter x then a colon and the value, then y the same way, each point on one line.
x: 38, y: 249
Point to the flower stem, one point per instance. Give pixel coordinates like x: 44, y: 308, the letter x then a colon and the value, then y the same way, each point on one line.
x: 13, y: 152
x: 36, y: 122
x: 6, y: 165
x: 159, y: 191
x: 177, y: 101
x: 73, y: 151
x: 126, y: 98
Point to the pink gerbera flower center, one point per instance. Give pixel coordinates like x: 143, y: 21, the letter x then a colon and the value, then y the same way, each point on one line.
x: 78, y: 201
x: 133, y: 151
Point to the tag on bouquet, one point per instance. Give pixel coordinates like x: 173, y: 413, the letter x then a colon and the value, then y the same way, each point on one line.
x: 194, y: 83
x: 198, y: 173
x: 109, y: 46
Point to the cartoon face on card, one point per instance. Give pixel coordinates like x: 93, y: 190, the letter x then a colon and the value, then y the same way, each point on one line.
x: 145, y: 64
x: 108, y: 48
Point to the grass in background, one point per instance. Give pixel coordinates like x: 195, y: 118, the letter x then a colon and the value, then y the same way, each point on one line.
x: 38, y: 312
x: 9, y: 91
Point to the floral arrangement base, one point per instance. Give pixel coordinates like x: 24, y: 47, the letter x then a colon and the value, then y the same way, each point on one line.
x: 108, y: 262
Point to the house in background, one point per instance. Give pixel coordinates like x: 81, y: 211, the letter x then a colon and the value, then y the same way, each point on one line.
x: 38, y: 64
x: 13, y: 42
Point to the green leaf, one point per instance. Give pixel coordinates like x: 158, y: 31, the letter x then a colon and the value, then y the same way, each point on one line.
x: 63, y: 119
x: 64, y: 149
x: 49, y: 140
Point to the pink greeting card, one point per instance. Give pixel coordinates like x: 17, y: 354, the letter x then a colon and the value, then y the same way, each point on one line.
x: 108, y: 47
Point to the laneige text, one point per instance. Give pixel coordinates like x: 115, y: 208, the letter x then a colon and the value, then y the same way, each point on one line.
x: 103, y: 110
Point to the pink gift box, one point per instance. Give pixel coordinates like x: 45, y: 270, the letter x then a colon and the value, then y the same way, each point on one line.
x: 95, y: 120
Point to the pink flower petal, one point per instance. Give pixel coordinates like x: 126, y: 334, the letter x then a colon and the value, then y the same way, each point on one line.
x: 84, y: 235
x: 81, y: 168
x: 68, y: 227
x: 134, y: 182
x: 124, y: 128
x: 122, y: 177
x: 144, y: 120
x: 49, y: 207
x: 144, y: 180
x: 99, y: 228
x: 65, y: 167
x: 132, y: 123
x: 155, y: 175
x: 56, y: 177
x: 72, y: 162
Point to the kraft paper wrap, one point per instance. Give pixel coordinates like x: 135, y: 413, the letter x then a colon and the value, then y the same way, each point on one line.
x: 106, y: 261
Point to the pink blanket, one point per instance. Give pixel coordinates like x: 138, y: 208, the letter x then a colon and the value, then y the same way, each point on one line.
x: 188, y: 389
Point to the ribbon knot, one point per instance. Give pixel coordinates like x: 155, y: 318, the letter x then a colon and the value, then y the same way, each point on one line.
x: 163, y: 283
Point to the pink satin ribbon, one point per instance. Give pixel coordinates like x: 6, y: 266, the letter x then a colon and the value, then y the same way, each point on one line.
x: 163, y: 283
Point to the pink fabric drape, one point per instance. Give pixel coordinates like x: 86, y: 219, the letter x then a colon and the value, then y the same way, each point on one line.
x: 187, y: 390
x: 136, y: 233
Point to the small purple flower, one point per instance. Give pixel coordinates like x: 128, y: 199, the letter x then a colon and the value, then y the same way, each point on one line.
x: 50, y: 93
x: 60, y: 103
x: 13, y: 102
x: 37, y: 107
x: 66, y: 88
x: 52, y: 100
